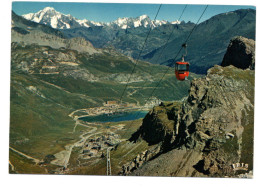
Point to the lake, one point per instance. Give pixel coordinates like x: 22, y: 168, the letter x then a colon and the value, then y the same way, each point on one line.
x: 125, y: 116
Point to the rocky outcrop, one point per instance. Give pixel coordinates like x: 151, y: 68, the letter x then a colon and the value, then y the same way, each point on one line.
x: 139, y: 160
x: 208, y: 132
x: 240, y: 53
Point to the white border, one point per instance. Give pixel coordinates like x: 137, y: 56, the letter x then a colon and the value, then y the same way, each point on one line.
x: 93, y: 181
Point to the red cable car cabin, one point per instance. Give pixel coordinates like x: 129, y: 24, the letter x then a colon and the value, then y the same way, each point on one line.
x: 182, y: 70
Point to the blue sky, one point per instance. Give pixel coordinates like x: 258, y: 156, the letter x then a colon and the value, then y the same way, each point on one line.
x: 106, y: 12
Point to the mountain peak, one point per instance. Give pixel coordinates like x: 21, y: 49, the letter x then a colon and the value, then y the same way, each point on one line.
x: 142, y: 17
x: 48, y: 9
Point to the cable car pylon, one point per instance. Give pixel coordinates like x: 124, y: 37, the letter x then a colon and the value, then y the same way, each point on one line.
x: 108, y: 163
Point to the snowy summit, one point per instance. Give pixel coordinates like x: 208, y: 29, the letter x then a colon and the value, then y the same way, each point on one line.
x: 49, y: 16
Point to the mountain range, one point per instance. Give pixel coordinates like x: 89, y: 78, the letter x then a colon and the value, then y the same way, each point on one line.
x: 57, y: 20
x: 206, y: 45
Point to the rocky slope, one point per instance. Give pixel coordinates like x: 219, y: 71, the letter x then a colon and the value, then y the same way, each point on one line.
x: 207, y: 133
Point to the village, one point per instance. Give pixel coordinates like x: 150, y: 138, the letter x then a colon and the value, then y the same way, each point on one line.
x: 112, y: 107
x: 97, y: 146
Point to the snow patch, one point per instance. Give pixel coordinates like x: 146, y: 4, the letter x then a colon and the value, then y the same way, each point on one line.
x: 54, y: 22
x: 124, y: 27
x: 137, y: 23
x: 176, y: 22
x: 46, y: 9
x: 143, y: 17
x: 83, y: 22
x: 28, y: 16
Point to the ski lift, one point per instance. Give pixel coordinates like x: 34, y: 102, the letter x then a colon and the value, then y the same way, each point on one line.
x: 182, y: 68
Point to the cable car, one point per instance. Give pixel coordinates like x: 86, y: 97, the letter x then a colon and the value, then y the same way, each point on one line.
x: 182, y: 68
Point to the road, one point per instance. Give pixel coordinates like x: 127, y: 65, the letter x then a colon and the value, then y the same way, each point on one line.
x: 25, y: 155
x: 12, y: 166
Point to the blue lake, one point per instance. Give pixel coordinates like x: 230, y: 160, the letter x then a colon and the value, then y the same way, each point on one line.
x: 125, y: 116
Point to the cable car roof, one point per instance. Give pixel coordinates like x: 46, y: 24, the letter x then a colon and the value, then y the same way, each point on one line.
x: 182, y: 63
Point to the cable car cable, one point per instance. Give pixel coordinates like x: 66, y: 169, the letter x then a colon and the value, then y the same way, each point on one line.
x: 120, y: 100
x: 170, y: 35
x: 174, y: 59
x: 196, y: 24
x: 167, y: 41
x: 167, y: 68
x: 178, y: 52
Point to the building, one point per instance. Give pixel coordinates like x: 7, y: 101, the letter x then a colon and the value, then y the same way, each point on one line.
x: 111, y: 102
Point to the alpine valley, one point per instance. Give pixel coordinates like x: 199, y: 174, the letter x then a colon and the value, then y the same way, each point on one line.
x: 65, y: 71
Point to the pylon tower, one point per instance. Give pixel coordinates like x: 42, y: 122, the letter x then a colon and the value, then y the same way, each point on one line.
x: 108, y: 162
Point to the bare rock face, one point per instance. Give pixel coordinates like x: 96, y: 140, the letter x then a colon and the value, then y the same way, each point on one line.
x: 240, y: 53
x: 208, y: 132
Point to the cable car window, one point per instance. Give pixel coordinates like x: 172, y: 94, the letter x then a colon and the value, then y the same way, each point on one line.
x: 183, y: 67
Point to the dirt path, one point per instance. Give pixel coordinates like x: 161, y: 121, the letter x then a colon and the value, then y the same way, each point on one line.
x: 12, y: 166
x: 60, y: 88
x: 72, y: 113
x: 26, y: 156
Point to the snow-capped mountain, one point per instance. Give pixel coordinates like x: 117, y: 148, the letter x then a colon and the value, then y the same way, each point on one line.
x: 57, y: 20
x: 49, y: 16
x: 143, y: 20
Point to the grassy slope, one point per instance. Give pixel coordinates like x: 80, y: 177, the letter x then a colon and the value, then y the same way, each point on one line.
x: 100, y: 65
x: 23, y: 165
x: 43, y: 121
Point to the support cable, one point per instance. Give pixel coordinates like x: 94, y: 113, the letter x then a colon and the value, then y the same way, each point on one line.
x: 108, y: 151
x: 167, y: 41
x: 174, y: 59
x: 120, y: 100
